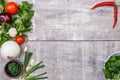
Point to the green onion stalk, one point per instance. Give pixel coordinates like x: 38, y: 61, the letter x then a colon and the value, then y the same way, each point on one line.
x: 26, y: 75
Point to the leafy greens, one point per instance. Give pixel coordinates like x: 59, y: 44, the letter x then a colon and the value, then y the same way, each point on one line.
x: 2, y: 5
x: 22, y: 22
x: 112, y: 68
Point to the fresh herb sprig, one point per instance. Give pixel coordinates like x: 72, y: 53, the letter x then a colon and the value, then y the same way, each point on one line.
x: 4, y: 36
x: 25, y: 13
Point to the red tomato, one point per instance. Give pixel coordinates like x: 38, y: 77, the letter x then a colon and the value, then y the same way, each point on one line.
x: 20, y: 39
x: 11, y: 8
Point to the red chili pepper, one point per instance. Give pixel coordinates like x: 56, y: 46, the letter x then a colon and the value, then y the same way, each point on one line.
x: 108, y: 3
x: 115, y: 16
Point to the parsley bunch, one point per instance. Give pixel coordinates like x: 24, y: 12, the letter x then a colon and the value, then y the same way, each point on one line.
x: 112, y: 68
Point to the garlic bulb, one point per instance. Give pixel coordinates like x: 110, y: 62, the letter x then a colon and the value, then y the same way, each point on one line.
x: 10, y: 50
x: 12, y: 32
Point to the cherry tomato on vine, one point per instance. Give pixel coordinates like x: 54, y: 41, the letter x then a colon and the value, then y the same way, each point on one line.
x: 20, y: 39
x: 11, y: 8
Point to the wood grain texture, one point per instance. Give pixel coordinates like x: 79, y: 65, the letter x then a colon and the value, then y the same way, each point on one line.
x: 73, y: 20
x: 70, y: 60
x: 71, y: 39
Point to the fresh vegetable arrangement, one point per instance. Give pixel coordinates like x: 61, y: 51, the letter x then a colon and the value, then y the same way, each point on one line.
x: 15, y: 26
x: 39, y: 65
x: 15, y: 22
x: 13, y: 68
x: 112, y: 68
x: 111, y: 4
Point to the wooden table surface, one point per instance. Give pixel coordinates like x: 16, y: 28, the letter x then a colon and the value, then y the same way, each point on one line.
x: 71, y: 39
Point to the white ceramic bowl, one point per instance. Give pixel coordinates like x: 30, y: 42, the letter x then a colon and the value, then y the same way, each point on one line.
x: 115, y: 53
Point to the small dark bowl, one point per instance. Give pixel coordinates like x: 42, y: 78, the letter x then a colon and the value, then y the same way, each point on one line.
x: 6, y: 66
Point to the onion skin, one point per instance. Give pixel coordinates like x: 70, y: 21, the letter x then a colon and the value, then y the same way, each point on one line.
x: 5, y: 17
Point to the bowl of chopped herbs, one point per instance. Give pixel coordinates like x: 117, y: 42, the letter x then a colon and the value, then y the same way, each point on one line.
x: 111, y: 67
x: 13, y: 68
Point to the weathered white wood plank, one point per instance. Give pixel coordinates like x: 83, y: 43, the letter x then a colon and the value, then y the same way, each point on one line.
x: 73, y: 20
x: 70, y: 60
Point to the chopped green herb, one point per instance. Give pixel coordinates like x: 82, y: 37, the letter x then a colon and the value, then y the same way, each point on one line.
x: 112, y: 68
x: 13, y: 68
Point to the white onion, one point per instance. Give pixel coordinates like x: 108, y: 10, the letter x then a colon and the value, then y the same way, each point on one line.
x: 10, y: 50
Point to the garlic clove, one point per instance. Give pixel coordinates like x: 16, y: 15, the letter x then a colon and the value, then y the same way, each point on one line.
x: 32, y: 62
x: 27, y: 68
x: 25, y: 49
